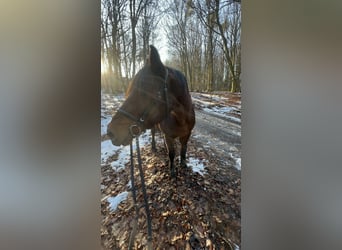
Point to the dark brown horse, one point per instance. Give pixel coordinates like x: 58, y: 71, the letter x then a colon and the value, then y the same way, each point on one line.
x: 157, y: 95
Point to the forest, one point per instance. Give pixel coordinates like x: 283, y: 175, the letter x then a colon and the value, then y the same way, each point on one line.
x: 199, y: 37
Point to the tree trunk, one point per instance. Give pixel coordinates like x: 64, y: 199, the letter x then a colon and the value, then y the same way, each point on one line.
x: 134, y: 47
x: 210, y: 61
x: 234, y: 81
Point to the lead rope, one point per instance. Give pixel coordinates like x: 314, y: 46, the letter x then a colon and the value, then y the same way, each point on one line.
x: 149, y: 227
x: 134, y: 230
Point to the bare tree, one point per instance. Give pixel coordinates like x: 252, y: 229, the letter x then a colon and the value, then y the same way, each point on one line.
x: 228, y: 27
x: 203, y: 40
x: 119, y: 37
x: 184, y: 38
x: 224, y: 19
x: 147, y: 28
x: 135, y: 11
x: 111, y: 35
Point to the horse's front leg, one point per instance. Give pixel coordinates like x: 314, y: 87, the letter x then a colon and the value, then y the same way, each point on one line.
x: 171, y: 150
x: 184, y: 143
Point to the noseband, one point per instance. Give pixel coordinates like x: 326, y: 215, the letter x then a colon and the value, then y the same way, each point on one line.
x: 135, y: 129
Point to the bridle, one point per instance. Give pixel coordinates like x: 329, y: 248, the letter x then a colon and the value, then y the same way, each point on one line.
x: 137, y: 127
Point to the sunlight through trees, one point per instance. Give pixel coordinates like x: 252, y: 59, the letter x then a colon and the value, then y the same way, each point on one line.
x: 199, y: 37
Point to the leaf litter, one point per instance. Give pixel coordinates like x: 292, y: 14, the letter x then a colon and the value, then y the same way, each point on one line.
x: 192, y: 206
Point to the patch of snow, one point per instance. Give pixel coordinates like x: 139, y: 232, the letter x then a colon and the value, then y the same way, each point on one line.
x: 196, y: 165
x: 107, y: 150
x: 104, y: 123
x: 129, y: 184
x: 238, y: 163
x: 237, y: 160
x: 204, y: 103
x: 214, y: 97
x: 116, y: 98
x: 123, y: 158
x: 234, y: 118
x: 225, y: 109
x: 116, y: 200
x: 223, y: 112
x: 108, y: 105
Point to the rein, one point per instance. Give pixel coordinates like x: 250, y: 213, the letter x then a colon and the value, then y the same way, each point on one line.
x: 135, y: 132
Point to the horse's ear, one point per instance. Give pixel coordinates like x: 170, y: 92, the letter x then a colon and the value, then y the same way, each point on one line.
x: 157, y: 66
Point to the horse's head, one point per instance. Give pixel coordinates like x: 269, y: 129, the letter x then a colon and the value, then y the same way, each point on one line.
x: 146, y: 103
